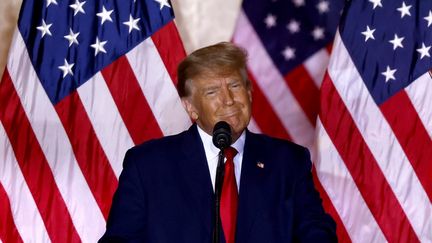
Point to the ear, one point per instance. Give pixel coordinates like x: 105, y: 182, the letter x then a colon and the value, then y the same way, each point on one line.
x: 190, y: 108
x: 250, y: 95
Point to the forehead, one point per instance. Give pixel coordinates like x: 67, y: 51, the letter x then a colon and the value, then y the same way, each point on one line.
x: 215, y: 79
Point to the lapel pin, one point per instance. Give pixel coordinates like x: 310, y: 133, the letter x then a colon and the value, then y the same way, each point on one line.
x: 260, y: 165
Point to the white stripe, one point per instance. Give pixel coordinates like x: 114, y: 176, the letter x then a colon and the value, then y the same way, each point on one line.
x: 158, y: 88
x: 381, y: 141
x: 253, y: 127
x: 22, y: 204
x: 343, y: 192
x: 316, y: 66
x: 86, y: 215
x: 106, y: 120
x: 273, y: 84
x: 420, y: 94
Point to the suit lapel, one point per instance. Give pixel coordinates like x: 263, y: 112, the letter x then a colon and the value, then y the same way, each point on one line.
x: 251, y: 195
x: 195, y: 172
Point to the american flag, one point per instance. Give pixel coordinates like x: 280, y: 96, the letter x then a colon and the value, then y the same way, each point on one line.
x: 375, y: 123
x: 289, y: 46
x: 287, y: 42
x: 85, y: 81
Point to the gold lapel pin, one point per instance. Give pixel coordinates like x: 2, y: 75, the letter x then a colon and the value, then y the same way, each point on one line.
x: 260, y: 165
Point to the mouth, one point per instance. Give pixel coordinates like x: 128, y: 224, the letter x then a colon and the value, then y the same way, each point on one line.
x: 230, y: 114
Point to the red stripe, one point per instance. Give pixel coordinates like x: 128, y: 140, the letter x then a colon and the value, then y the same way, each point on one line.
x: 88, y: 151
x: 170, y: 48
x: 305, y: 91
x: 130, y: 100
x: 34, y: 166
x: 412, y: 135
x: 329, y: 47
x: 8, y: 230
x: 363, y: 167
x: 263, y: 113
x: 341, y: 231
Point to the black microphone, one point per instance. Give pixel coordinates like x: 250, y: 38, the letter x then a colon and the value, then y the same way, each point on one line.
x: 221, y: 139
x: 222, y: 135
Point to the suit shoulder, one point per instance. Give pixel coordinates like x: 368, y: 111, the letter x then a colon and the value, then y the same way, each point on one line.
x: 157, y: 146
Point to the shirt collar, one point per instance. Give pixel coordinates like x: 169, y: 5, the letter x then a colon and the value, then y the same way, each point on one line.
x: 212, y: 151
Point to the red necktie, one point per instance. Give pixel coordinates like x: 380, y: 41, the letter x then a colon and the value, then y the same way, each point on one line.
x: 229, y: 197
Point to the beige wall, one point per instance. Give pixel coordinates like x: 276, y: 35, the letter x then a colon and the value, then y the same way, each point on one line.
x: 9, y: 10
x: 200, y: 22
x: 204, y: 22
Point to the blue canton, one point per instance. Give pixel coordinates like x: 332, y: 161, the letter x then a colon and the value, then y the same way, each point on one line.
x: 69, y: 41
x: 389, y: 42
x: 293, y: 30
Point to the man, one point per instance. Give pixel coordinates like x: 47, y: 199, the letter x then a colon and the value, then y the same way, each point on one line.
x: 166, y: 189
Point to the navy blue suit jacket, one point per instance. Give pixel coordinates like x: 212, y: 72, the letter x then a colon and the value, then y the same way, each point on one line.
x: 165, y: 194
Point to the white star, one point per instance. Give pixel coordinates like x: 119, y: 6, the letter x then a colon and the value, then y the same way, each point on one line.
x: 270, y: 21
x: 389, y: 74
x: 51, y: 1
x: 397, y: 42
x: 424, y: 51
x: 318, y: 33
x: 132, y: 23
x: 376, y: 3
x: 404, y: 10
x: 66, y: 68
x: 323, y: 7
x: 293, y: 26
x: 288, y: 53
x: 163, y: 3
x: 368, y: 33
x: 298, y: 3
x: 429, y: 18
x: 99, y: 46
x: 78, y: 7
x: 72, y: 37
x: 44, y: 28
x: 105, y: 15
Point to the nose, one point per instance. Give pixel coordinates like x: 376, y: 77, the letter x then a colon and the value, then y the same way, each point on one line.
x: 227, y: 96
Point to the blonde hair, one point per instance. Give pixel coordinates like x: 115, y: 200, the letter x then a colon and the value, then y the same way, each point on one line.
x: 221, y: 59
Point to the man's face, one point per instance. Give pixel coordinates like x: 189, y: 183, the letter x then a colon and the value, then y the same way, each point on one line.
x: 214, y: 99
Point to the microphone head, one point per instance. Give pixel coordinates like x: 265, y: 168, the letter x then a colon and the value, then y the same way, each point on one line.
x: 222, y: 135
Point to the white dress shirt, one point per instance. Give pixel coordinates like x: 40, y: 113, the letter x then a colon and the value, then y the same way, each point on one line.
x: 211, y: 152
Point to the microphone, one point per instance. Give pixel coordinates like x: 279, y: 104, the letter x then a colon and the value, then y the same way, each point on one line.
x: 222, y: 135
x: 221, y: 139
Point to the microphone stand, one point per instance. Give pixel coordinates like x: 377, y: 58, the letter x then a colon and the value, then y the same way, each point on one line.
x: 218, y: 189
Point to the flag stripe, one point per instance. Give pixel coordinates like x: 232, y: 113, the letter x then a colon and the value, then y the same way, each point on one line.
x: 158, y: 88
x: 420, y: 94
x: 54, y: 143
x: 412, y: 135
x: 171, y: 54
x: 91, y: 157
x: 130, y: 101
x: 37, y: 173
x: 316, y: 66
x: 391, y: 159
x: 8, y: 230
x: 21, y: 200
x: 106, y: 120
x: 273, y: 85
x: 330, y: 209
x: 342, y: 190
x: 304, y: 90
x: 253, y: 127
x: 358, y: 158
x: 264, y: 115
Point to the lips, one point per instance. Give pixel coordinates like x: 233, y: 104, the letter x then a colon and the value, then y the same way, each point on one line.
x: 230, y: 113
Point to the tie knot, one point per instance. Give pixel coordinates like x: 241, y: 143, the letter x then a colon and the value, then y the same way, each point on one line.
x: 230, y: 152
